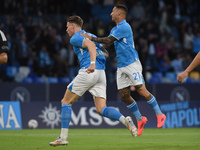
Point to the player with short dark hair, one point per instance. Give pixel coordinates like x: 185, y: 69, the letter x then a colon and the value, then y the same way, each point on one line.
x: 3, y: 48
x: 129, y: 71
x: 91, y: 77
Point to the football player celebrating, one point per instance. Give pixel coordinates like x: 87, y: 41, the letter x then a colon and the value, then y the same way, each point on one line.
x: 91, y: 77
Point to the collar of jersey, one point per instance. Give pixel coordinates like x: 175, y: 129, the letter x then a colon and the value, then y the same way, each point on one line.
x: 121, y: 22
x: 82, y: 31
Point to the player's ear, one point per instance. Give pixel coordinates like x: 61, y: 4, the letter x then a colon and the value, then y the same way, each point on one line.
x: 119, y: 12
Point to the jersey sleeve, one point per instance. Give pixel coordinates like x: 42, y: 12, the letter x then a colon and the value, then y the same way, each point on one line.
x: 3, y: 43
x: 4, y: 47
x: 99, y: 45
x: 120, y: 32
x: 77, y: 40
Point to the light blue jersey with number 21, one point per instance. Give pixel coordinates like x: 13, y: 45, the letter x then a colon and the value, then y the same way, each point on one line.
x: 124, y: 45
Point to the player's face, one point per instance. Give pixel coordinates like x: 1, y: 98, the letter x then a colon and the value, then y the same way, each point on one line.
x: 114, y: 14
x: 70, y: 29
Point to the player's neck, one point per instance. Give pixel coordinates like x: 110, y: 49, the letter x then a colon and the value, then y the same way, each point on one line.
x: 119, y: 20
x: 77, y: 29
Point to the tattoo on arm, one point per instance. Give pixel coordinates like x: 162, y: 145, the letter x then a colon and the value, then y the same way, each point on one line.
x: 105, y: 40
x: 107, y: 45
x: 150, y: 96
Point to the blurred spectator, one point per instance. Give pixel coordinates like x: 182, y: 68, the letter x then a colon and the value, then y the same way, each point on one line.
x: 63, y: 53
x: 161, y: 4
x: 196, y: 43
x: 151, y: 62
x: 142, y: 48
x: 161, y: 48
x: 187, y: 60
x: 44, y: 62
x: 152, y: 38
x: 177, y: 63
x: 137, y: 11
x: 59, y: 68
x: 164, y: 19
x: 22, y: 51
x: 175, y: 9
x: 160, y: 28
x: 108, y: 2
x: 73, y: 63
x: 164, y: 65
x: 34, y: 62
x: 100, y: 29
x: 188, y: 41
x: 196, y: 28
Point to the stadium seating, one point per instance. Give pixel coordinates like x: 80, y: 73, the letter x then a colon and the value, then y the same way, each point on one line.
x: 25, y: 70
x: 11, y: 71
x: 190, y: 80
x: 194, y: 75
x: 39, y: 80
x: 65, y: 80
x: 53, y: 80
x: 156, y: 78
x: 148, y: 76
x: 171, y: 76
x: 27, y: 80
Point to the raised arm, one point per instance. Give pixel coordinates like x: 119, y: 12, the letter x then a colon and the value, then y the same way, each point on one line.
x: 194, y: 64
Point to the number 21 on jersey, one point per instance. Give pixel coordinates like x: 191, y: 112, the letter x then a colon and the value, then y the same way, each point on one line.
x: 137, y: 76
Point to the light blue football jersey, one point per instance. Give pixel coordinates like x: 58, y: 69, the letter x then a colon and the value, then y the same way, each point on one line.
x: 124, y: 45
x: 83, y: 53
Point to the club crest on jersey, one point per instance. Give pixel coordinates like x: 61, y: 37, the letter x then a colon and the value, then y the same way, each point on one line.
x: 124, y: 39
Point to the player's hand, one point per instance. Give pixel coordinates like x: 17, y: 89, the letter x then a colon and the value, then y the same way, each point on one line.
x: 91, y: 68
x: 86, y: 35
x: 182, y: 76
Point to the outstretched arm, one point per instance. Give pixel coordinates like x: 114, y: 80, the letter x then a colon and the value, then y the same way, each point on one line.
x: 107, y: 41
x: 104, y: 40
x: 193, y: 65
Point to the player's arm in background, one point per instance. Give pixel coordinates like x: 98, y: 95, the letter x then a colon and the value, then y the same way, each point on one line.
x: 102, y: 48
x: 92, y: 50
x: 3, y: 58
x: 105, y: 52
x: 3, y: 48
x: 194, y: 64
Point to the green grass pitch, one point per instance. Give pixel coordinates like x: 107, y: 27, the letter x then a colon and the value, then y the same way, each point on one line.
x: 102, y: 139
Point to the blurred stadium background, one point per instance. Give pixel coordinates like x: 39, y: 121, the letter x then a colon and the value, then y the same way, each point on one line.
x: 42, y: 63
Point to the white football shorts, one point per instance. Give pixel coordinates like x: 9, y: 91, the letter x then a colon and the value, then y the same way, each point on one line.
x: 94, y: 82
x: 130, y: 75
